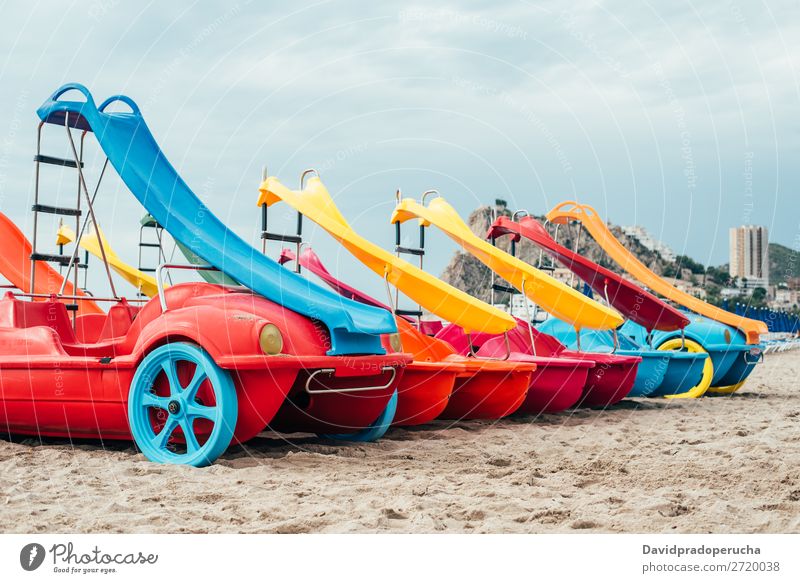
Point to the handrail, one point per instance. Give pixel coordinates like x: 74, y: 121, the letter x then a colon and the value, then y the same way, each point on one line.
x: 427, y: 192
x: 305, y: 173
x: 160, y: 282
x: 311, y: 391
x: 57, y: 297
x: 474, y: 353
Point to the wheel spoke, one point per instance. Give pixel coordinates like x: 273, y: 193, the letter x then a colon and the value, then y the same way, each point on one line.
x: 152, y: 400
x: 172, y: 376
x: 192, y: 445
x: 160, y: 440
x: 200, y: 375
x: 194, y: 410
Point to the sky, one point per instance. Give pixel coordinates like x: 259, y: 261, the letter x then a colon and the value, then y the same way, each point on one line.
x: 681, y: 117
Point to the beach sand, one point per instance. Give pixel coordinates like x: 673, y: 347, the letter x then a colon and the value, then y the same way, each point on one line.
x: 722, y: 464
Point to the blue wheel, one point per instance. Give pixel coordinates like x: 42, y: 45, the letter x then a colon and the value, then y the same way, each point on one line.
x: 376, y: 430
x: 182, y: 407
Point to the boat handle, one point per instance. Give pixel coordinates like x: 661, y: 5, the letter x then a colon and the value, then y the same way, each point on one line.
x: 311, y: 391
x: 474, y: 353
x: 160, y: 277
x: 426, y: 193
x: 305, y: 173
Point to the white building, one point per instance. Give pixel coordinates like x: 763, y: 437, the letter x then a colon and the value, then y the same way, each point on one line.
x: 730, y: 292
x: 648, y: 242
x: 749, y: 255
x: 517, y: 308
x: 687, y: 287
x: 785, y: 298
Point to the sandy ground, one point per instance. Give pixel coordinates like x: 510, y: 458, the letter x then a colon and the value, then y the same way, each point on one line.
x: 723, y: 464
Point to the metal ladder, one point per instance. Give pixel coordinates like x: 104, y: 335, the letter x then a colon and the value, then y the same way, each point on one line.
x: 37, y: 208
x: 297, y: 238
x: 146, y: 225
x: 68, y: 261
x: 418, y: 252
x: 502, y: 288
x: 149, y: 224
x: 512, y: 291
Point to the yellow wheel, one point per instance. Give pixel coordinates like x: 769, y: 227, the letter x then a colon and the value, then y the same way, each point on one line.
x: 727, y: 390
x: 708, y: 368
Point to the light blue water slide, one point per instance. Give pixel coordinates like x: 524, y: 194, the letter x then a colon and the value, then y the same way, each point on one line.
x: 134, y: 153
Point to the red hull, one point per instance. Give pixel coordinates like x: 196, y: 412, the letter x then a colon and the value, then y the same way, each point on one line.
x: 488, y: 394
x: 423, y: 393
x: 555, y: 386
x: 334, y: 412
x: 563, y: 378
x: 53, y: 383
x: 610, y: 380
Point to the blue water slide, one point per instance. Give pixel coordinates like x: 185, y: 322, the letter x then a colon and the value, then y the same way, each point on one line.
x: 131, y: 148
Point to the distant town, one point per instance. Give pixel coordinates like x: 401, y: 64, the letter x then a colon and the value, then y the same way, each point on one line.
x: 745, y: 279
x: 759, y: 273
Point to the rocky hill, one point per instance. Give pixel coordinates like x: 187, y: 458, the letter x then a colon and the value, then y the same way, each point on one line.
x: 784, y: 263
x: 468, y: 274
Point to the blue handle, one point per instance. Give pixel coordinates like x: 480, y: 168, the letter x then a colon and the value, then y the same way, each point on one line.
x: 73, y: 87
x: 124, y: 99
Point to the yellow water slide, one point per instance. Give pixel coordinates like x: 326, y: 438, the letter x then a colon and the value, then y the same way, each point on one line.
x: 573, y: 211
x: 90, y: 241
x: 551, y: 295
x: 439, y: 298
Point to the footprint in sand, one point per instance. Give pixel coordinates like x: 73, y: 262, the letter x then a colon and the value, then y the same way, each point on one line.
x: 393, y: 514
x: 584, y: 524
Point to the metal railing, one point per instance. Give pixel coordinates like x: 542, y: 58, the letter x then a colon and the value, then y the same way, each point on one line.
x: 331, y: 371
x: 160, y: 280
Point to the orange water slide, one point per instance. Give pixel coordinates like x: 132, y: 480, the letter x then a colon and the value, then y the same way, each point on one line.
x: 15, y: 266
x: 570, y: 210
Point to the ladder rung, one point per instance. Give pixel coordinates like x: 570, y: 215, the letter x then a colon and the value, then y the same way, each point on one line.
x: 55, y: 161
x: 149, y: 245
x: 280, y: 237
x: 62, y: 259
x: 410, y: 250
x: 56, y: 210
x: 503, y: 288
x: 547, y: 268
x: 71, y: 307
x: 417, y: 313
x: 147, y: 269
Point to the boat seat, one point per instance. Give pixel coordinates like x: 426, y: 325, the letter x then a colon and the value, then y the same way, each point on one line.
x: 118, y: 321
x: 88, y: 327
x: 15, y: 313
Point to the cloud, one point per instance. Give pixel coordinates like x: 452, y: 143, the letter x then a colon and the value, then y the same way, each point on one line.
x: 647, y: 111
